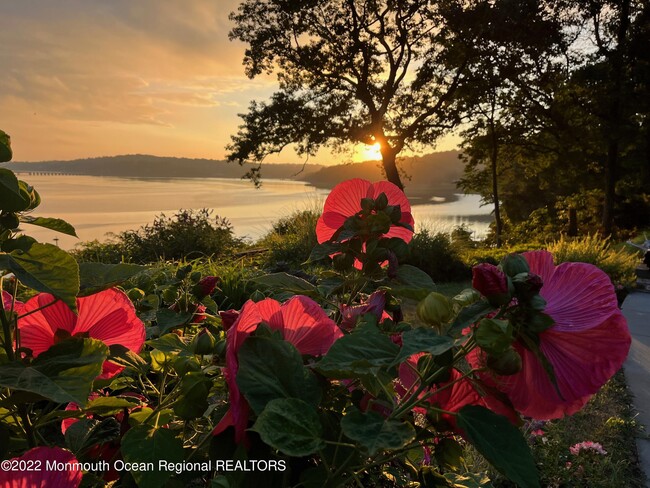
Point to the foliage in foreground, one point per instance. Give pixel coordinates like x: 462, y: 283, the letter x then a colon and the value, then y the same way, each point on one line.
x: 309, y: 382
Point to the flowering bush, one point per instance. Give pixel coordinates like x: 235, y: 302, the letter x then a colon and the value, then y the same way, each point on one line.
x: 314, y: 382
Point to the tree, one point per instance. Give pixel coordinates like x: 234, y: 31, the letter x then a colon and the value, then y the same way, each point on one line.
x: 373, y: 71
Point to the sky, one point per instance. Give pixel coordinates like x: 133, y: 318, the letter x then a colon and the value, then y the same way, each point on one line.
x: 84, y: 78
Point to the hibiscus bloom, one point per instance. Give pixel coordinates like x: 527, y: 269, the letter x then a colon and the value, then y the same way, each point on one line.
x: 344, y: 201
x: 302, y: 323
x: 108, y: 316
x: 43, y: 478
x: 374, y: 305
x: 8, y: 299
x: 451, y: 398
x: 586, y: 346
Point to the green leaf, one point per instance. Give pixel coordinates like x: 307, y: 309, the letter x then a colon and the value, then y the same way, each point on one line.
x: 363, y: 352
x: 322, y: 251
x: 286, y: 282
x: 5, y: 147
x: 501, y: 443
x: 374, y: 432
x: 147, y: 444
x: 494, y: 336
x: 123, y: 356
x: 291, y: 426
x: 423, y: 340
x: 271, y: 368
x: 10, y: 198
x: 58, y: 225
x: 193, y: 402
x: 415, y: 277
x: 106, y: 406
x: 95, y: 277
x: 86, y: 433
x: 64, y: 373
x: 45, y: 268
x: 469, y: 480
x: 168, y: 319
x: 470, y: 315
x: 168, y: 343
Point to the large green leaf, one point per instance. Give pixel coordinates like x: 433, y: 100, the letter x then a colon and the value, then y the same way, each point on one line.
x: 10, y: 198
x: 291, y: 426
x: 271, y: 368
x: 105, y: 406
x: 46, y: 268
x: 147, y: 444
x: 470, y: 315
x: 363, y: 352
x: 58, y: 225
x: 423, y: 340
x: 168, y: 319
x: 64, y: 373
x: 374, y: 432
x: 5, y: 147
x: 286, y: 282
x: 96, y: 277
x: 193, y: 402
x: 501, y: 443
x: 86, y: 433
x: 415, y: 277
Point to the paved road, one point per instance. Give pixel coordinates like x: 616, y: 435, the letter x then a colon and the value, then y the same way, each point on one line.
x: 636, y: 309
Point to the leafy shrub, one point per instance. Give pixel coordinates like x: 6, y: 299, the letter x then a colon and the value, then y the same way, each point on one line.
x: 185, y: 235
x: 618, y: 264
x: 434, y: 254
x: 291, y: 238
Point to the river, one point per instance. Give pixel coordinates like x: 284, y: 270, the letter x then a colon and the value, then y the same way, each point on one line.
x: 97, y: 205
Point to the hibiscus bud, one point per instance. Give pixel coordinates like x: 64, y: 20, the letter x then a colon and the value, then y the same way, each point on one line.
x: 205, y: 286
x: 527, y: 285
x: 492, y: 283
x: 199, y: 314
x: 203, y: 343
x: 186, y: 364
x: 505, y: 364
x: 513, y: 264
x: 435, y: 309
x: 228, y: 317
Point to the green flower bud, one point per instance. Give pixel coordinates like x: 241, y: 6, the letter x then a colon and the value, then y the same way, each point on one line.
x: 186, y: 364
x: 435, y: 309
x: 513, y: 264
x: 135, y: 294
x: 203, y: 343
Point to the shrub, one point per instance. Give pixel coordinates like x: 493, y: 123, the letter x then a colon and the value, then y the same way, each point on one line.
x: 291, y: 238
x: 618, y: 264
x: 434, y: 254
x: 185, y: 235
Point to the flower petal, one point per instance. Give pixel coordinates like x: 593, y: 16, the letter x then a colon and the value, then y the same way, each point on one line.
x: 343, y: 201
x: 43, y: 478
x: 307, y: 326
x: 579, y: 296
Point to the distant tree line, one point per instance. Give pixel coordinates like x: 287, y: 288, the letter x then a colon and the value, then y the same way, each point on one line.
x: 551, y: 96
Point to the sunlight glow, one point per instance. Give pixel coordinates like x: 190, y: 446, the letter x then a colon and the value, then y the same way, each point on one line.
x: 368, y: 152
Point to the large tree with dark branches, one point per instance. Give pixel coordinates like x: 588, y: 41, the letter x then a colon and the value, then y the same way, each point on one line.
x: 373, y: 71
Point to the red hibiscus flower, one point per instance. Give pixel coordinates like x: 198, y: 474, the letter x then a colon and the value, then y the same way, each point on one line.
x: 8, y: 299
x: 108, y: 316
x: 586, y: 346
x: 43, y: 478
x: 302, y: 323
x: 344, y: 201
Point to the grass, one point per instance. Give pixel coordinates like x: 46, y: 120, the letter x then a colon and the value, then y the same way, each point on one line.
x: 608, y: 419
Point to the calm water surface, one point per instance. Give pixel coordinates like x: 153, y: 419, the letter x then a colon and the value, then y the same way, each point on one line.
x: 96, y: 205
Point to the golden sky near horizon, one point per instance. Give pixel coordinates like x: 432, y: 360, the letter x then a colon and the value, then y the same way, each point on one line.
x: 84, y: 78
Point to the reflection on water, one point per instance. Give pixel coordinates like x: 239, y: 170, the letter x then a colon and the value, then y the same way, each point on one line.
x: 98, y: 205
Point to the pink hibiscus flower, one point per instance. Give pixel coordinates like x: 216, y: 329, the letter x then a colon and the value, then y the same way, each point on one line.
x: 108, y: 316
x: 586, y: 346
x: 43, y: 478
x: 344, y: 201
x: 302, y: 323
x: 455, y: 397
x: 374, y: 305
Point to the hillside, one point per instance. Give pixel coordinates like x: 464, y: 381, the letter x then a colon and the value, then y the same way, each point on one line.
x: 431, y: 175
x: 424, y: 177
x: 146, y: 166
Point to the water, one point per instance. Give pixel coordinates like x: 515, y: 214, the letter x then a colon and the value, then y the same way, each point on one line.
x: 97, y: 205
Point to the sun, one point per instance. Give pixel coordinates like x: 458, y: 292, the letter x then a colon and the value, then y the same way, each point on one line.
x: 368, y: 152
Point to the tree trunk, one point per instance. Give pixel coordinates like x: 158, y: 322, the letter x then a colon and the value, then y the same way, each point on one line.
x: 388, y: 156
x: 494, y: 156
